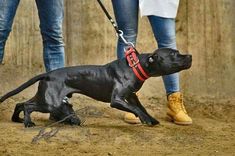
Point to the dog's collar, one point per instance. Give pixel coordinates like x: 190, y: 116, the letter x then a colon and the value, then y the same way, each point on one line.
x: 134, y: 63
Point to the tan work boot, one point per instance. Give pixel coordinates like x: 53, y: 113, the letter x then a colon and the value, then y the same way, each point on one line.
x: 176, y: 110
x: 131, y: 118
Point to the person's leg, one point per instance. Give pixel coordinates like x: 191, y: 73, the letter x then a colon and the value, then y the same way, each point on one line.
x: 7, y: 13
x: 164, y: 32
x: 51, y: 13
x: 126, y: 13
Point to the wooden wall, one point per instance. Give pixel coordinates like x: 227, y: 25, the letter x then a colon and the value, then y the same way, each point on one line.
x: 205, y: 29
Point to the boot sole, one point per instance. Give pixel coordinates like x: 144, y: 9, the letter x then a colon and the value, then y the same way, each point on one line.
x: 171, y: 119
x: 132, y: 121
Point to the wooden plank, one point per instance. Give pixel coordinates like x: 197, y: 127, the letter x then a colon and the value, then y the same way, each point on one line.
x: 205, y: 28
x: 182, y: 39
x: 196, y: 46
x: 24, y: 45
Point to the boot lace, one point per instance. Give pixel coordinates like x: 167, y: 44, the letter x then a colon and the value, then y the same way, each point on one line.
x: 177, y: 103
x: 182, y: 104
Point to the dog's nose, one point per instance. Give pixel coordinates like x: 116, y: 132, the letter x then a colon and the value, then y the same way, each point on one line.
x: 189, y: 56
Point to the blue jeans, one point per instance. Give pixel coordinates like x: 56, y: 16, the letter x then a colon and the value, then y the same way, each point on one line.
x: 126, y: 14
x: 51, y: 15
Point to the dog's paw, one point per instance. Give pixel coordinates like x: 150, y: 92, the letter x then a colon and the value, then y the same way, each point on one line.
x: 29, y: 124
x: 73, y: 121
x: 150, y: 121
x: 154, y: 122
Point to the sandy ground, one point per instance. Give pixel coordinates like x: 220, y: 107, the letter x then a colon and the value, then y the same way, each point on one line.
x: 105, y: 133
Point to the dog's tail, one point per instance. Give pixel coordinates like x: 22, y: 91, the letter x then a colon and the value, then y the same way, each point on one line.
x: 22, y: 87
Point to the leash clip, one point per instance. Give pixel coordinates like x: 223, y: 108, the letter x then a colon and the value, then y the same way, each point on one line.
x: 120, y: 34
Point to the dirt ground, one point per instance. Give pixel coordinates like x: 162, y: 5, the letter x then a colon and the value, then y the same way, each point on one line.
x: 104, y: 132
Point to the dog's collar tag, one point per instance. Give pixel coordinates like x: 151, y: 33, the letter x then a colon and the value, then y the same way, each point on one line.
x: 134, y: 63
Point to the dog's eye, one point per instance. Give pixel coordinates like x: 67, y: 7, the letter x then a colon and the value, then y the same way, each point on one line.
x: 151, y: 60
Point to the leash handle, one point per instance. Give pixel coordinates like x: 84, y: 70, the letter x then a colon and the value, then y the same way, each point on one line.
x: 118, y: 31
x: 109, y: 17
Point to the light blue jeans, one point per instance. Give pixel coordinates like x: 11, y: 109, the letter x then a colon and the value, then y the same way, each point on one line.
x: 51, y: 15
x: 126, y: 13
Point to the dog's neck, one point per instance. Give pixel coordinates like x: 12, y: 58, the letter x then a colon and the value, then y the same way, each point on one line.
x: 134, y: 63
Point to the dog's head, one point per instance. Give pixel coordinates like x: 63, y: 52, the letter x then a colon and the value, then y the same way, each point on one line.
x: 165, y: 61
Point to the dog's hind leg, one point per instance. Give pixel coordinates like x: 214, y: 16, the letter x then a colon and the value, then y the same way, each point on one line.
x: 30, y: 107
x: 65, y: 112
x: 18, y: 108
x: 73, y: 119
x: 27, y: 108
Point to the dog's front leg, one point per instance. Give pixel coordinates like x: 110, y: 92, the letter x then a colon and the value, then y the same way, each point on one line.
x: 133, y: 100
x: 118, y: 101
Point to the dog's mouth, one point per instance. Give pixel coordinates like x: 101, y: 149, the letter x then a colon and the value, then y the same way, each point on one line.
x: 184, y: 63
x: 187, y: 61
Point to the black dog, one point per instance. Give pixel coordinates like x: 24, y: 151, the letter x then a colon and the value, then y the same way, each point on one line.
x: 114, y: 82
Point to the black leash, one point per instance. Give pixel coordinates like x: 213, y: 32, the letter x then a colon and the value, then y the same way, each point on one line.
x: 109, y: 17
x: 118, y: 31
x: 130, y: 51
